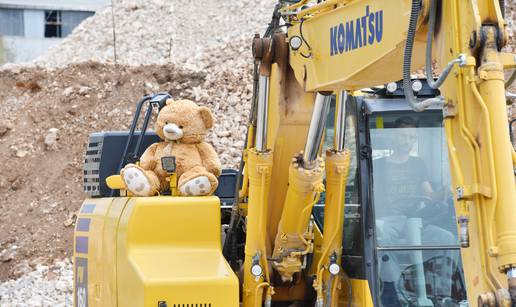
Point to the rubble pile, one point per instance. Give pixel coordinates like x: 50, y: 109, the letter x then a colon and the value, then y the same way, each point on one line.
x: 159, y: 31
x: 510, y: 15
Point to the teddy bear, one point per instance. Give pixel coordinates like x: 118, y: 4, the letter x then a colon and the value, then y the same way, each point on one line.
x: 182, y: 125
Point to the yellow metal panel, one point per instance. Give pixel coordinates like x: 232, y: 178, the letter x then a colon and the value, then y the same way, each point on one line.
x: 169, y: 250
x: 109, y: 289
x: 377, y: 59
x: 94, y: 258
x: 289, y: 117
x: 115, y: 182
x: 478, y: 145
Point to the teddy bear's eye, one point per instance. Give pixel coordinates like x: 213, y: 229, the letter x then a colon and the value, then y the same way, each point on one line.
x: 180, y: 126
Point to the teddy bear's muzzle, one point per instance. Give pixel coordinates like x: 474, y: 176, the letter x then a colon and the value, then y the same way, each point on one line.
x: 172, y: 132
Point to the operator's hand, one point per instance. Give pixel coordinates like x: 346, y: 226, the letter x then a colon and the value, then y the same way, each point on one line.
x: 442, y: 196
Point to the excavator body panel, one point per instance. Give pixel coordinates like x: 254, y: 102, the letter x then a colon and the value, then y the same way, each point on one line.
x: 147, y: 251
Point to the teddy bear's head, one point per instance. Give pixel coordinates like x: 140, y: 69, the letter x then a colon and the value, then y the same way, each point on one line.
x: 184, y: 121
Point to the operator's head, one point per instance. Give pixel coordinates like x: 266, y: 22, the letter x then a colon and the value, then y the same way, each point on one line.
x: 406, y: 135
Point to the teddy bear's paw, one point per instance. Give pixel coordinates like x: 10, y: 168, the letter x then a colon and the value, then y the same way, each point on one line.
x: 197, y: 186
x: 136, y: 182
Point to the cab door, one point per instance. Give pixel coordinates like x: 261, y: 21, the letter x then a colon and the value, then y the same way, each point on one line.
x: 416, y: 252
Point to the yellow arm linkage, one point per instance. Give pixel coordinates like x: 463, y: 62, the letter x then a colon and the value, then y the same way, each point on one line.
x: 349, y: 45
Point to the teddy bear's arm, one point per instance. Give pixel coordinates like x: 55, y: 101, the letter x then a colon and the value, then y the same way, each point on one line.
x: 147, y: 160
x: 210, y: 159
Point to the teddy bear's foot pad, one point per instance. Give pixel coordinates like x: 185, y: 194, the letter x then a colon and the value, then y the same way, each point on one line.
x: 136, y: 182
x: 198, y: 186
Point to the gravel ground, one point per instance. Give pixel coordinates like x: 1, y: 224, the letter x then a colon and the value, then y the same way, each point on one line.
x: 49, y: 286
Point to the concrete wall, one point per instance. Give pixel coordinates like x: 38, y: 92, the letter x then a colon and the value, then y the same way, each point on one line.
x: 17, y: 49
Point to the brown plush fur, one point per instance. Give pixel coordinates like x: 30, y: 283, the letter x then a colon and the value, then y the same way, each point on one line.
x: 194, y: 157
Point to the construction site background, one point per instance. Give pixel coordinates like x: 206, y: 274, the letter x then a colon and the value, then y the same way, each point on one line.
x: 49, y: 107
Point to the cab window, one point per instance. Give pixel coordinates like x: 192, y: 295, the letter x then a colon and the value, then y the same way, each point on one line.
x: 417, y: 247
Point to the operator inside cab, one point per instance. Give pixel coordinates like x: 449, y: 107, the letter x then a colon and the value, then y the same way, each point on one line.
x: 405, y: 203
x: 408, y: 175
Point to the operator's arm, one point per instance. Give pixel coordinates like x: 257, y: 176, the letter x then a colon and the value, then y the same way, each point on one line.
x: 147, y: 160
x: 209, y: 158
x: 426, y: 187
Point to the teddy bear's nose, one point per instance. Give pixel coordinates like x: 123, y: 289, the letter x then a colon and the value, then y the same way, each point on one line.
x: 171, y: 128
x: 172, y: 131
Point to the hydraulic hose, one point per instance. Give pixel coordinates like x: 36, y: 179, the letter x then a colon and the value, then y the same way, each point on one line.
x: 511, y: 79
x: 429, y: 38
x: 416, y: 105
x: 329, y: 288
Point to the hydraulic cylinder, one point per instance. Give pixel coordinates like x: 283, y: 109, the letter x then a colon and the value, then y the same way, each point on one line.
x: 292, y: 241
x: 256, y: 269
x: 337, y: 167
x: 492, y: 90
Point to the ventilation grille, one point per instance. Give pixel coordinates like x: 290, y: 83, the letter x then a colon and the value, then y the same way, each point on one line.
x: 91, y: 168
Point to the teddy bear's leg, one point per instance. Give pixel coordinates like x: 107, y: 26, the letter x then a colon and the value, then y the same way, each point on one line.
x: 139, y: 181
x: 197, y: 182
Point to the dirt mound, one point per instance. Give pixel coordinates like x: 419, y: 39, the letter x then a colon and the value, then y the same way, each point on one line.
x: 46, y: 117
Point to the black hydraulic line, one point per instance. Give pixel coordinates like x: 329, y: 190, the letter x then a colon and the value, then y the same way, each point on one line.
x: 142, y: 132
x: 511, y: 79
x: 139, y: 106
x: 230, y: 249
x: 131, y: 130
x: 157, y: 101
x: 275, y: 20
x: 407, y: 57
x: 304, y: 40
x: 407, y: 61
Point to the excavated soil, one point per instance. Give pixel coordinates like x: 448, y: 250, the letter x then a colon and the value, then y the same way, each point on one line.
x: 45, y: 119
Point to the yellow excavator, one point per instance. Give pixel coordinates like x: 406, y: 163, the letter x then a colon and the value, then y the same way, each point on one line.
x: 354, y: 189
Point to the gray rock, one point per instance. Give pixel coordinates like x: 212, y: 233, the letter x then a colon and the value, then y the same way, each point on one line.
x: 68, y: 91
x: 51, y: 138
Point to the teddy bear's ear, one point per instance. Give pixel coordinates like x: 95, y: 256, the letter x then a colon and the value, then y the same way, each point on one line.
x: 206, y: 117
x: 170, y: 101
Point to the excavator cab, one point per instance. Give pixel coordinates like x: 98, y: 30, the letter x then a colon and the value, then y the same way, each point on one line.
x: 400, y: 234
x: 158, y: 251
